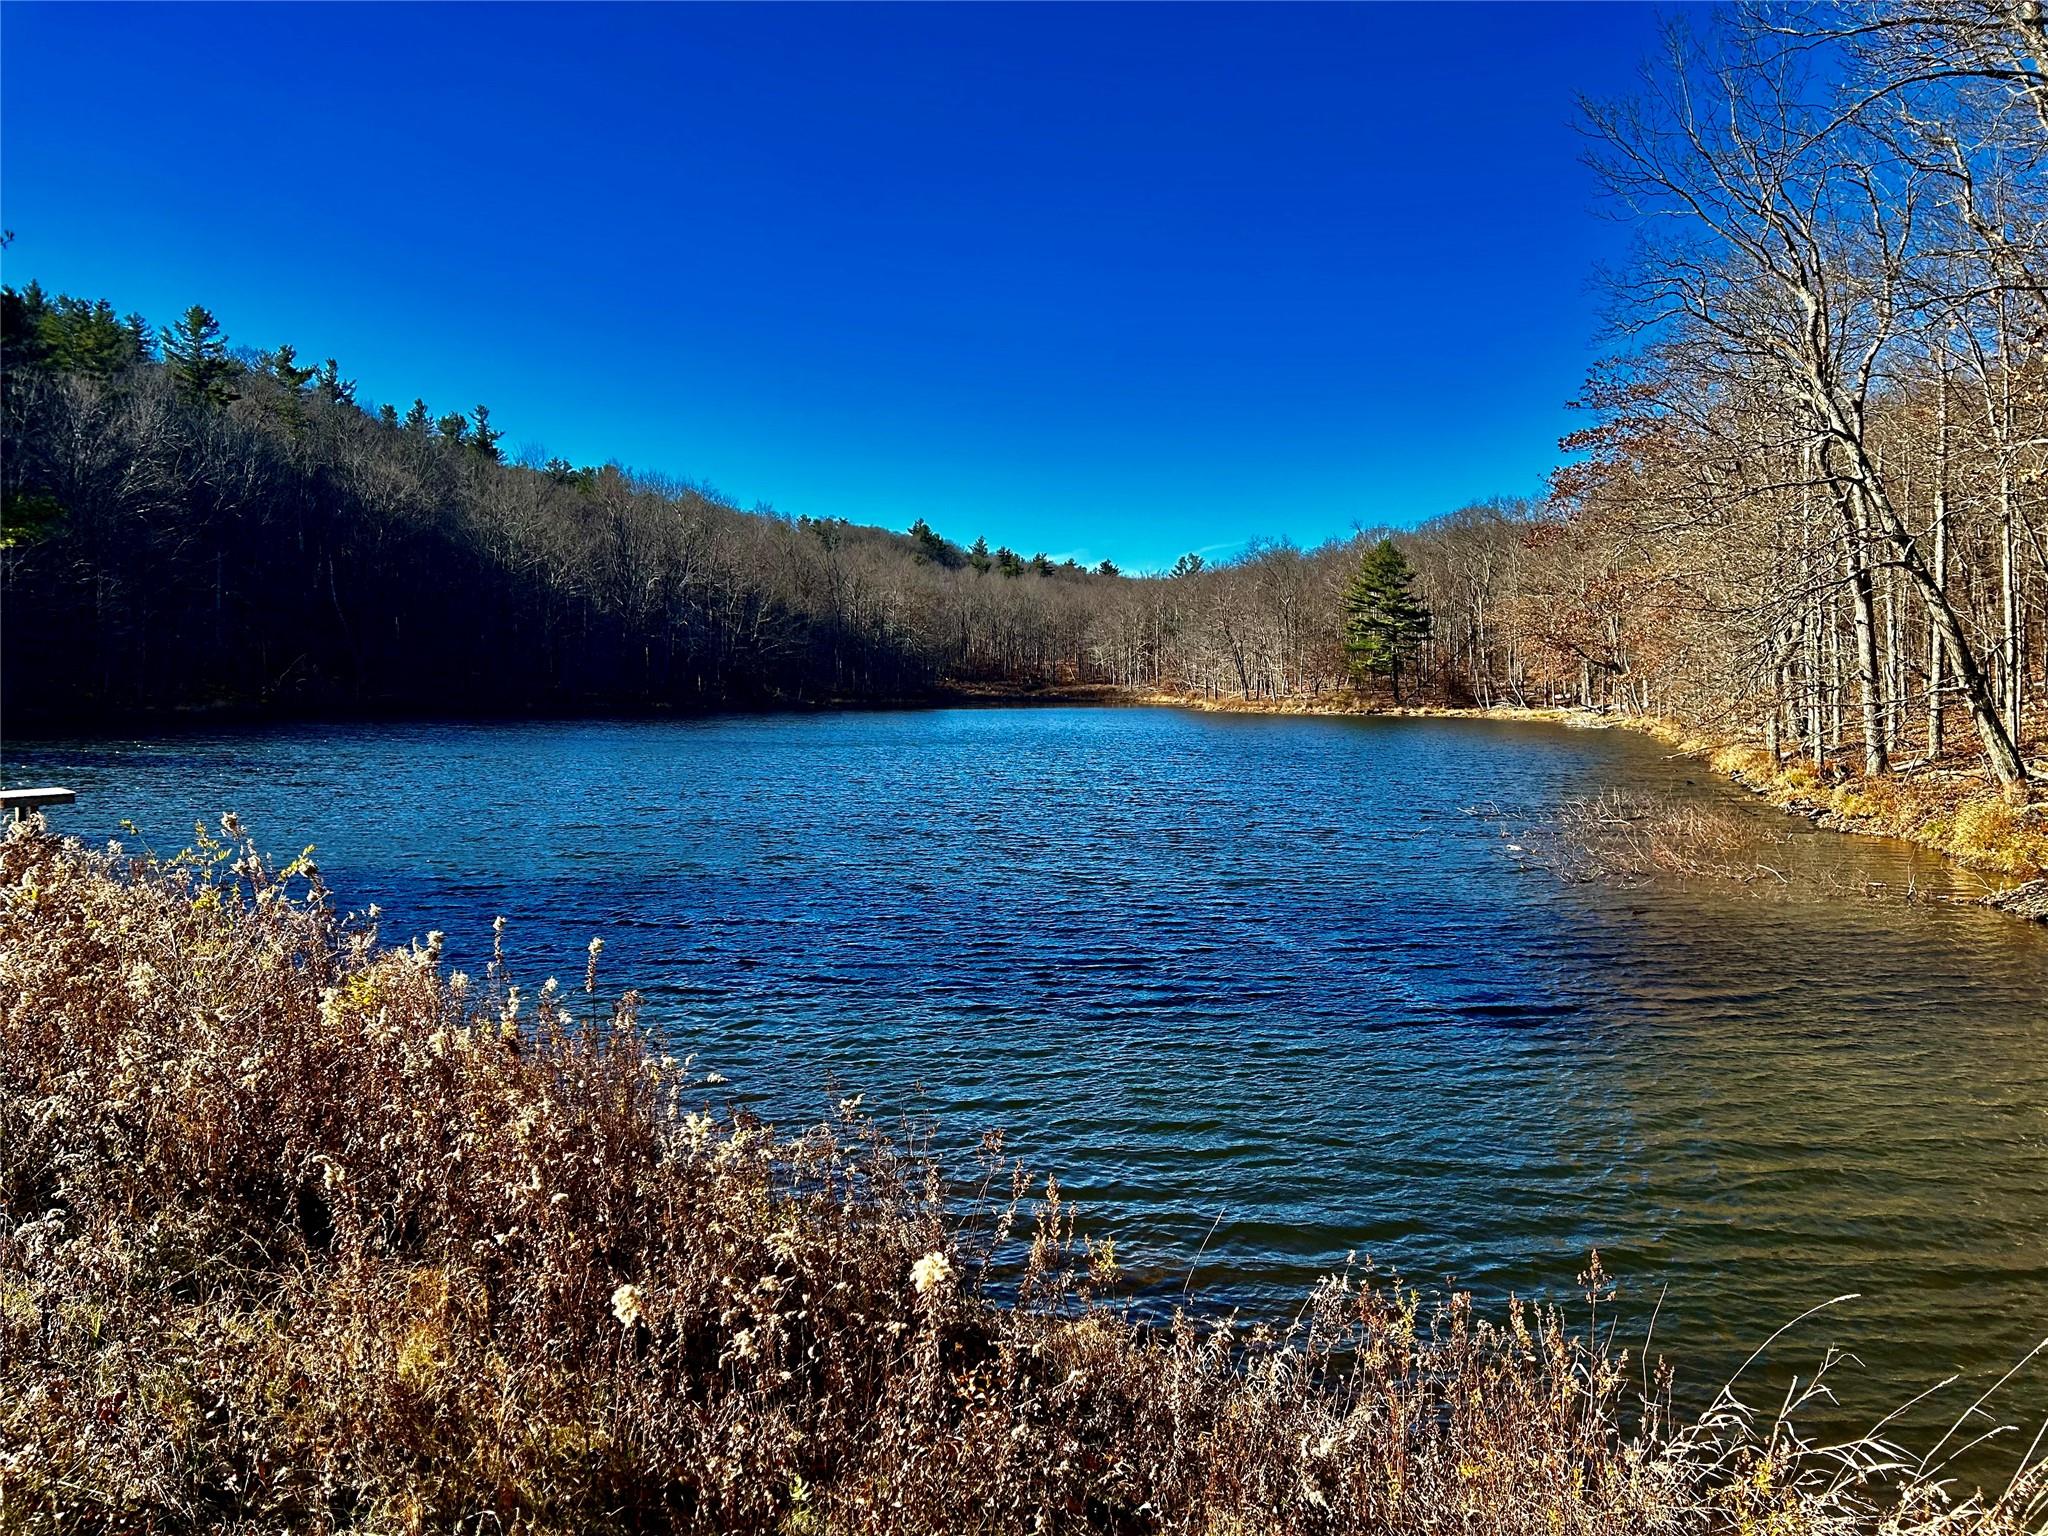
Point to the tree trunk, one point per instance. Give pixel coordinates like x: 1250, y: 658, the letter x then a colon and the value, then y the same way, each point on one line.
x: 1936, y: 655
x: 1863, y: 616
x: 1869, y: 487
x: 2013, y: 658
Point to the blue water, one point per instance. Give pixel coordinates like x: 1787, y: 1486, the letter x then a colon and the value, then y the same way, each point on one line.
x: 1260, y: 990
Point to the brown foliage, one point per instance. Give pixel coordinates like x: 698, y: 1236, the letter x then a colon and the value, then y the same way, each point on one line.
x: 1627, y: 838
x: 299, y: 1232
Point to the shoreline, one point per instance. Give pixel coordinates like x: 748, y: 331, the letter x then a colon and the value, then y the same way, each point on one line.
x: 1339, y: 707
x: 562, y: 1280
x: 1955, y: 812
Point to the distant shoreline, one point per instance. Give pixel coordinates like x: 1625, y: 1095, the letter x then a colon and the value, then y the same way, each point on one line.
x: 1341, y: 705
x: 1950, y: 810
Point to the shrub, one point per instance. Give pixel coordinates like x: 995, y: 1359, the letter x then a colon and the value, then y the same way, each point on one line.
x: 1991, y: 833
x: 1798, y: 778
x: 1739, y: 762
x: 301, y: 1232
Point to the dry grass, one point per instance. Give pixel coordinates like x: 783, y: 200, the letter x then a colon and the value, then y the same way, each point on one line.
x: 298, y: 1232
x: 1957, y: 811
x: 1627, y: 838
x: 1349, y: 701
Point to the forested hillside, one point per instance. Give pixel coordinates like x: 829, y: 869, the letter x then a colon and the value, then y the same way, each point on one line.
x: 1807, y: 507
x: 1816, y: 487
x: 187, y: 527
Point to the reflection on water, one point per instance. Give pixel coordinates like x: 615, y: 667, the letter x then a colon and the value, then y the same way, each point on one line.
x: 1260, y: 983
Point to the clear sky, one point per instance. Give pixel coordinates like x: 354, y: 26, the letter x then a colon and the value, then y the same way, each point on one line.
x: 1102, y: 281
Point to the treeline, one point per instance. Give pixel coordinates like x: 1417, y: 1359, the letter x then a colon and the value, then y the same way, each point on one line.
x: 1807, y: 507
x: 185, y: 526
x: 189, y: 527
x: 1813, y: 504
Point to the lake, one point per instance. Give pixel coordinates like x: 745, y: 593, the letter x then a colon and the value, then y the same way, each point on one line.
x: 1261, y: 991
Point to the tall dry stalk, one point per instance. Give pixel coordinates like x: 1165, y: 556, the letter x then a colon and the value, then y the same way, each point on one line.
x: 300, y: 1232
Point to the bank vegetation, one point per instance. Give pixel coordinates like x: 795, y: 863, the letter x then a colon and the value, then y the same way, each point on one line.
x: 302, y: 1231
x: 1806, y: 516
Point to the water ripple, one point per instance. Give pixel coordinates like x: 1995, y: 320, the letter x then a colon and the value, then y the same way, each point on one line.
x: 1251, y: 983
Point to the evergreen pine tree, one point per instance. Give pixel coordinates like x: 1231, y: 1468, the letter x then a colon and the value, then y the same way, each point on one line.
x: 483, y: 437
x: 86, y: 338
x: 387, y: 415
x: 283, y: 365
x: 454, y: 426
x: 22, y: 342
x: 417, y: 421
x: 198, y: 357
x: 930, y: 548
x: 979, y: 557
x: 141, y: 338
x: 339, y: 391
x: 1383, y: 619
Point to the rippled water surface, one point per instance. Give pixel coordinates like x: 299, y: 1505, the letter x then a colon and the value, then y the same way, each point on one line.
x: 1261, y: 984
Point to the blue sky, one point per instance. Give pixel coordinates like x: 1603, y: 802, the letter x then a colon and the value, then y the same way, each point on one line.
x: 1098, y: 280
